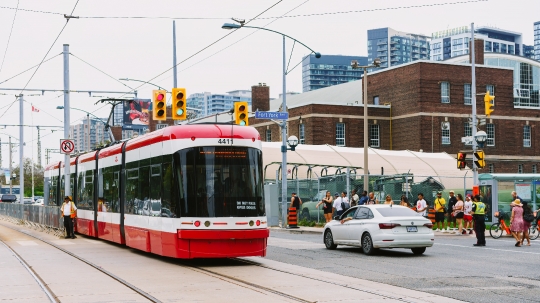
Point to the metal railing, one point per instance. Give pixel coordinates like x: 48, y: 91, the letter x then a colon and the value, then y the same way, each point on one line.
x: 42, y: 218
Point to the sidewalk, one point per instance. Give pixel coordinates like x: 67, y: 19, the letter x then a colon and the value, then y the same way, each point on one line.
x: 319, y: 230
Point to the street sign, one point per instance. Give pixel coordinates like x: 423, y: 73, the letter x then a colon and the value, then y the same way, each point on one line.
x: 272, y: 115
x: 160, y: 126
x: 467, y: 140
x: 66, y: 146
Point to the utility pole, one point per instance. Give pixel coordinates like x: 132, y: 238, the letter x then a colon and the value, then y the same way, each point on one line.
x: 48, y: 152
x: 10, y: 168
x: 67, y: 188
x: 88, y: 133
x: 473, y: 93
x: 175, y: 83
x: 38, y: 147
x: 21, y: 147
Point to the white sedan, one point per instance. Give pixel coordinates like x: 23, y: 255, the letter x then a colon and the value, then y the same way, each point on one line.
x: 380, y: 226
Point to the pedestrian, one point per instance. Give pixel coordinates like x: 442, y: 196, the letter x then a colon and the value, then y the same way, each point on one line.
x: 467, y: 217
x: 421, y: 205
x: 354, y: 198
x: 478, y: 212
x: 458, y: 214
x: 516, y: 197
x: 528, y: 217
x: 327, y: 206
x: 341, y: 204
x: 388, y: 200
x: 101, y: 205
x: 450, y: 220
x: 296, y: 202
x: 69, y: 211
x: 404, y: 201
x: 364, y: 198
x: 440, y: 210
x: 371, y: 199
x: 516, y: 221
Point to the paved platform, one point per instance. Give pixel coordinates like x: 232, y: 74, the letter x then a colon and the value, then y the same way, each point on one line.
x: 171, y: 280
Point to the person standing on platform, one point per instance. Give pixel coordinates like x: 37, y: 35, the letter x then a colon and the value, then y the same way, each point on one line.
x: 354, y: 198
x: 451, y: 219
x: 327, y: 206
x: 421, y: 205
x: 440, y: 209
x: 364, y: 198
x: 296, y: 202
x: 69, y: 211
x: 478, y: 212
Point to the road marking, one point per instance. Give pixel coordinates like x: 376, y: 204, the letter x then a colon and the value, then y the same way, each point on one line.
x: 62, y: 242
x: 497, y: 249
x: 27, y: 243
x: 91, y: 241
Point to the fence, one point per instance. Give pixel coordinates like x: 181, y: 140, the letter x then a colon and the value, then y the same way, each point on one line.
x: 43, y: 218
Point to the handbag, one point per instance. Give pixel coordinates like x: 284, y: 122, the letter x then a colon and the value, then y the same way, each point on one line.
x: 528, y: 217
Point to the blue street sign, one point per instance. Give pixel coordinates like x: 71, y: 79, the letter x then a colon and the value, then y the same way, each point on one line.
x: 271, y: 115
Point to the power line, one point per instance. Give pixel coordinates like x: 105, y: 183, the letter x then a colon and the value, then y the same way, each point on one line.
x: 103, y: 72
x: 9, y: 37
x: 28, y: 69
x: 31, y: 11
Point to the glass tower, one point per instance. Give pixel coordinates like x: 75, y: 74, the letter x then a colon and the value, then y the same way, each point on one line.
x: 537, y: 40
x: 395, y: 47
x: 329, y: 70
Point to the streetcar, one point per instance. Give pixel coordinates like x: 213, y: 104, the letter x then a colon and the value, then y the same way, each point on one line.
x: 184, y: 191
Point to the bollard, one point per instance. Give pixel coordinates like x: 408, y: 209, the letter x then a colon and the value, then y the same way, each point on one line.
x: 431, y: 215
x: 293, y: 218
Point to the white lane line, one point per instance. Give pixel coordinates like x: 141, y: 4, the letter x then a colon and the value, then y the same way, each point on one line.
x: 485, y: 247
x: 62, y: 242
x: 27, y: 243
x: 91, y: 241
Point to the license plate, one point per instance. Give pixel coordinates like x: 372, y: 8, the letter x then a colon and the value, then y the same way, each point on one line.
x: 412, y: 229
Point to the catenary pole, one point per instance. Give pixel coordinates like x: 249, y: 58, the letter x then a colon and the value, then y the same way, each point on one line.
x: 366, y: 135
x: 10, y: 167
x: 175, y: 80
x: 284, y: 146
x: 67, y: 188
x: 21, y: 149
x: 473, y: 95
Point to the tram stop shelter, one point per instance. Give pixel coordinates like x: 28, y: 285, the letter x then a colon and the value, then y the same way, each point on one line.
x: 496, y: 191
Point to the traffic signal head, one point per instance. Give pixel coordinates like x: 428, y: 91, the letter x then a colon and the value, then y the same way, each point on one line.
x: 241, y: 113
x: 461, y: 163
x: 179, y: 104
x: 159, y: 105
x: 479, y: 159
x: 488, y: 103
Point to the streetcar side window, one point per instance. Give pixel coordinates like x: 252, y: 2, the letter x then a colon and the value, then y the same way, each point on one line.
x: 155, y: 190
x: 144, y: 191
x: 110, y: 188
x: 168, y: 201
x: 132, y: 202
x: 52, y: 190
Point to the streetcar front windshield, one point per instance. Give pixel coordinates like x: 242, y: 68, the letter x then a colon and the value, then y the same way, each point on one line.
x: 219, y: 181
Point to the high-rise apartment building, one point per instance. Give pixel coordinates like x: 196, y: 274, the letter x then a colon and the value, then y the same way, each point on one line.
x: 455, y: 42
x: 329, y: 70
x: 395, y: 47
x: 206, y: 103
x: 86, y: 138
x: 537, y: 40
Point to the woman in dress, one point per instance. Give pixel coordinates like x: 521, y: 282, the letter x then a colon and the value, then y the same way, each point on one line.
x: 516, y: 221
x: 458, y: 213
x: 327, y: 206
x: 526, y: 225
x: 388, y: 200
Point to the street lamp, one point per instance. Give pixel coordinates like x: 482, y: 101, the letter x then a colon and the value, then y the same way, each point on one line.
x: 283, y: 124
x: 354, y: 65
x: 481, y: 138
x: 88, y: 120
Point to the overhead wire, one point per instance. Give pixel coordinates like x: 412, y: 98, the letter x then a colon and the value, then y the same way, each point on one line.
x: 94, y: 67
x: 9, y: 37
x: 30, y: 10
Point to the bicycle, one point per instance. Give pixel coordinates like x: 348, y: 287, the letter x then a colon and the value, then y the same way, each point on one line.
x: 496, y: 230
x: 534, y: 230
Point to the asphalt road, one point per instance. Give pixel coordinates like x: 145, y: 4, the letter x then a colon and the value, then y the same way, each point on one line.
x: 499, y: 272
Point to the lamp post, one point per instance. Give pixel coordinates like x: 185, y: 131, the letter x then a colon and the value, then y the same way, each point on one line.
x: 88, y: 121
x: 354, y: 64
x: 283, y: 124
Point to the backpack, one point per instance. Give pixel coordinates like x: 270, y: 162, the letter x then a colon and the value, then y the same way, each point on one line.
x: 529, y: 217
x: 344, y: 205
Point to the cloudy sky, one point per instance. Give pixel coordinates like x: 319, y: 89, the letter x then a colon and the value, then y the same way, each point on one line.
x: 133, y: 39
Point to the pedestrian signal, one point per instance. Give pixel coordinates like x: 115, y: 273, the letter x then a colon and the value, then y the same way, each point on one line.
x: 179, y: 104
x: 479, y: 159
x: 461, y: 163
x: 241, y: 113
x: 488, y: 103
x: 159, y: 108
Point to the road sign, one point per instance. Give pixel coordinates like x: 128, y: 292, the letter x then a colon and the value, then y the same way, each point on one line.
x: 467, y: 140
x: 272, y: 115
x: 66, y: 146
x: 160, y: 126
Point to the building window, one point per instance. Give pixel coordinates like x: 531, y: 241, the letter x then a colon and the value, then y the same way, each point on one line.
x: 491, y: 89
x: 445, y: 131
x: 302, y: 138
x: 374, y: 136
x: 268, y: 135
x: 490, y: 129
x: 468, y: 131
x: 340, y: 134
x: 520, y: 168
x: 445, y: 92
x: 376, y: 100
x: 467, y: 97
x: 491, y: 168
x: 526, y: 136
x: 534, y: 170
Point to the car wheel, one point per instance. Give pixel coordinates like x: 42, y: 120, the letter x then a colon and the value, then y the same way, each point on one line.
x: 305, y: 215
x: 418, y: 250
x: 329, y: 240
x: 367, y: 245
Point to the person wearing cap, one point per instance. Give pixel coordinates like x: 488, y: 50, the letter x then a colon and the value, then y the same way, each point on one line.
x: 341, y: 204
x: 69, y: 211
x: 478, y: 212
x: 467, y: 217
x: 450, y: 219
x: 440, y: 210
x: 516, y: 221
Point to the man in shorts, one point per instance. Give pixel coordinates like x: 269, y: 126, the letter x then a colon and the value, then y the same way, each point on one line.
x: 451, y: 221
x: 440, y: 209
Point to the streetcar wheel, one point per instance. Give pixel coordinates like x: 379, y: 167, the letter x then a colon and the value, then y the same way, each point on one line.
x: 495, y: 231
x: 329, y: 240
x: 367, y: 245
x: 533, y: 232
x: 418, y: 250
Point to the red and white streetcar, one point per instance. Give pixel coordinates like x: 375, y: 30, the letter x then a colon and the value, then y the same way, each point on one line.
x: 186, y: 191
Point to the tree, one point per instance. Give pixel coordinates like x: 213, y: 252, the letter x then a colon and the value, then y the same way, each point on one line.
x: 38, y: 178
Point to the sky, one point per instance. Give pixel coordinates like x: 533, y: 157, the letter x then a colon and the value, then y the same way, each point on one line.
x: 133, y: 39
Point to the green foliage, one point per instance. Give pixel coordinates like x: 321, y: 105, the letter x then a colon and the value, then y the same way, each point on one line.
x: 305, y: 222
x: 38, y: 178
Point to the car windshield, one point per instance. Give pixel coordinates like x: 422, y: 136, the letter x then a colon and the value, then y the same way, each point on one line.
x: 396, y: 212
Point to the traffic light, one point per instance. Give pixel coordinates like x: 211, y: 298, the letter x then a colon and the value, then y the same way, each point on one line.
x: 159, y: 106
x: 241, y: 113
x: 461, y: 160
x: 479, y: 161
x: 179, y: 104
x: 488, y: 103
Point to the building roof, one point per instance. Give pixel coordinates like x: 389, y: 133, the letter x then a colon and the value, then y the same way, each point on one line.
x: 464, y: 59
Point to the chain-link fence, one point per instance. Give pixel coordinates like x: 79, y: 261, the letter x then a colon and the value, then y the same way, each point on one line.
x: 43, y: 218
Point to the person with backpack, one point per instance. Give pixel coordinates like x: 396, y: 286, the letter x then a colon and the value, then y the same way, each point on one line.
x: 341, y: 204
x: 528, y: 218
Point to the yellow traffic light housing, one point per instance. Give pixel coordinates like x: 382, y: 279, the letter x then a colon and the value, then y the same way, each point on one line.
x: 488, y: 103
x: 241, y: 113
x: 159, y: 104
x: 179, y: 104
x: 461, y: 163
x: 480, y: 160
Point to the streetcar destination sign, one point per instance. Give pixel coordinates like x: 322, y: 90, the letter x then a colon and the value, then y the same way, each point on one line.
x: 272, y: 115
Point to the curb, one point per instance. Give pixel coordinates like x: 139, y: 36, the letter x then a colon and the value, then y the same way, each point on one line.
x: 295, y: 231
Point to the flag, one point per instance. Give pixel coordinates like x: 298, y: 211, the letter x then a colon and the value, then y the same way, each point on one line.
x: 34, y: 109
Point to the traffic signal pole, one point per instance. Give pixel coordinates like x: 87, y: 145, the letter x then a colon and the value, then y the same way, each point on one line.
x: 67, y: 187
x: 473, y: 93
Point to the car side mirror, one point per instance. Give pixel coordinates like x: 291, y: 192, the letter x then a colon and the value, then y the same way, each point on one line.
x: 336, y: 217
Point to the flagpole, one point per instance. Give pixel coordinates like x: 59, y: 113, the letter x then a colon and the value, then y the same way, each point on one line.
x: 32, y: 154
